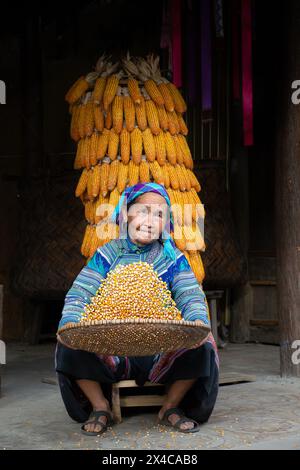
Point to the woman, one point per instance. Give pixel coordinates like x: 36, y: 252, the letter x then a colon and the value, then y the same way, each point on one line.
x: 190, y: 375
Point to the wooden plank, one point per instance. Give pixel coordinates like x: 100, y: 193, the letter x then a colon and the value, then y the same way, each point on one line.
x: 132, y: 383
x: 235, y: 377
x: 142, y: 400
x: 263, y: 322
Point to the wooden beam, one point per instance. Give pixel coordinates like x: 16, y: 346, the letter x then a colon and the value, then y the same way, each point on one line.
x: 287, y: 192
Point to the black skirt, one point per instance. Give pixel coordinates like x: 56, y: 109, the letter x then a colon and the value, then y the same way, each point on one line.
x: 199, y: 364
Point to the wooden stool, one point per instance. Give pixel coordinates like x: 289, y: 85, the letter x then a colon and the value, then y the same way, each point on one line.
x: 132, y: 400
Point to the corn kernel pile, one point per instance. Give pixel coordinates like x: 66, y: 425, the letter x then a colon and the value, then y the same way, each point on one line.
x: 132, y: 291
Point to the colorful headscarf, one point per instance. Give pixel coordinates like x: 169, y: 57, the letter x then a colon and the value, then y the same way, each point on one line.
x: 130, y: 194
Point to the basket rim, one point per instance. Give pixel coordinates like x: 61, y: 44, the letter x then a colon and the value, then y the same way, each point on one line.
x: 86, y: 324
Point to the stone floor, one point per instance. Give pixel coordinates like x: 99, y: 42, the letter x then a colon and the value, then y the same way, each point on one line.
x: 258, y: 415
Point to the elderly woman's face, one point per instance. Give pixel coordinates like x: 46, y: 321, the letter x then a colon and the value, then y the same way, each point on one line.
x: 147, y: 218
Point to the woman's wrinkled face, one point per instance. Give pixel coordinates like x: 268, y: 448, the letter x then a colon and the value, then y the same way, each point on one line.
x: 147, y: 217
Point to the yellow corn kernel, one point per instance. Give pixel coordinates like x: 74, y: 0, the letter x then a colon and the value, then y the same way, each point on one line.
x: 152, y: 117
x: 136, y: 141
x: 74, y: 130
x: 173, y: 123
x: 181, y: 179
x: 108, y: 118
x: 179, y: 154
x: 93, y: 149
x: 81, y: 120
x: 187, y: 156
x: 186, y: 177
x: 149, y: 145
x: 87, y: 144
x: 166, y: 177
x: 173, y: 176
x: 90, y: 184
x: 125, y: 145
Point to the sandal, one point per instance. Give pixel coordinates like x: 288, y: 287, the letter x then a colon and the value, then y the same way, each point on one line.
x: 183, y: 419
x: 94, y: 419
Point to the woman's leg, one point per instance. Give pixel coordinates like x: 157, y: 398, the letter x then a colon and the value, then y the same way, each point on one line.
x: 94, y: 393
x: 175, y: 394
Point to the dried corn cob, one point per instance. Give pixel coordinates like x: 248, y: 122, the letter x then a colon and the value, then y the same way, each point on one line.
x: 140, y: 113
x: 194, y: 181
x: 82, y: 183
x: 152, y: 117
x: 86, y: 149
x: 90, y: 184
x: 144, y: 172
x: 197, y: 266
x: 129, y: 112
x: 182, y: 125
x: 104, y: 178
x: 160, y: 148
x: 76, y: 92
x: 133, y: 173
x: 108, y: 118
x: 113, y: 175
x: 117, y: 113
x: 153, y: 92
x: 188, y: 209
x: 122, y: 177
x: 136, y: 141
x: 85, y: 247
x: 96, y: 180
x: 187, y: 157
x: 99, y: 90
x: 149, y: 145
x: 74, y: 131
x: 81, y: 120
x: 110, y: 90
x: 199, y: 205
x: 156, y: 172
x: 180, y: 105
x: 166, y: 177
x: 168, y: 100
x: 101, y: 208
x: 114, y: 197
x: 170, y: 148
x: 186, y: 177
x: 179, y: 153
x: 94, y: 242
x: 173, y: 176
x: 79, y: 161
x: 178, y: 237
x: 89, y: 123
x: 125, y: 145
x: 72, y: 88
x: 181, y: 179
x: 173, y: 123
x: 102, y: 144
x: 163, y: 118
x: 113, y: 144
x: 134, y: 90
x: 93, y: 149
x: 98, y: 117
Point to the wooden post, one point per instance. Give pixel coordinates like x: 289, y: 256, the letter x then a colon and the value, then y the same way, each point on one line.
x: 287, y: 192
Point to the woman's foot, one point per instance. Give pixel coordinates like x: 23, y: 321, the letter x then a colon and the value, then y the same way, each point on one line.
x: 174, y: 418
x: 98, y: 423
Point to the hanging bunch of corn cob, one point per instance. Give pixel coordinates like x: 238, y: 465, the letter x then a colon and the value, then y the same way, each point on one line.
x: 128, y: 123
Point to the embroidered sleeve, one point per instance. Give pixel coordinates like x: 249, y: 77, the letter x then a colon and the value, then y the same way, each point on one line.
x: 188, y: 293
x: 84, y: 288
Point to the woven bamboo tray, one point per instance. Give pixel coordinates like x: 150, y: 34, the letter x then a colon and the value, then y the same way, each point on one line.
x: 135, y: 337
